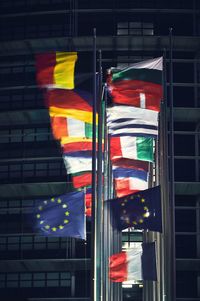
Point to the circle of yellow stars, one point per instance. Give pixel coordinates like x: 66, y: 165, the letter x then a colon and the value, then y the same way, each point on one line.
x: 46, y: 226
x: 145, y: 214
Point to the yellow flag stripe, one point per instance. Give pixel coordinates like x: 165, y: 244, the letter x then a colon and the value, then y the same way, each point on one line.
x: 64, y: 69
x: 72, y: 113
x: 65, y: 140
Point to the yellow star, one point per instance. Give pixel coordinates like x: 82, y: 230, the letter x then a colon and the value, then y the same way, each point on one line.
x: 146, y: 214
x: 134, y: 223
x: 61, y: 227
x: 59, y: 201
x: 67, y: 213
x: 40, y: 208
x: 66, y: 221
x: 64, y: 205
x: 142, y: 200
x: 145, y: 208
x: 52, y: 199
x: 47, y: 227
x: 38, y: 215
x: 41, y: 222
x: 141, y: 221
x: 54, y: 229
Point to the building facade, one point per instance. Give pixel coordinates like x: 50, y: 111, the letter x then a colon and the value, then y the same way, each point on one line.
x: 31, y: 167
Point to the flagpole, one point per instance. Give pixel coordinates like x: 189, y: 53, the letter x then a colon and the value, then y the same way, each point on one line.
x: 93, y: 217
x: 172, y: 194
x: 106, y: 212
x: 99, y: 205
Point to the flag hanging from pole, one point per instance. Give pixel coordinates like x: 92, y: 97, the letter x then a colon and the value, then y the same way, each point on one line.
x: 127, y: 181
x: 140, y: 210
x: 62, y: 216
x: 56, y: 69
x: 138, y: 148
x: 131, y: 121
x: 63, y: 127
x: 138, y: 263
x: 139, y: 85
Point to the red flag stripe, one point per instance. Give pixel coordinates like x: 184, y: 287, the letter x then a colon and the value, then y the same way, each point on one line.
x: 45, y: 64
x: 118, y: 267
x: 128, y: 92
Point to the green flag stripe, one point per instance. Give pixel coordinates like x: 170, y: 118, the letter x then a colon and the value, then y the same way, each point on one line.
x: 145, y: 149
x: 148, y: 75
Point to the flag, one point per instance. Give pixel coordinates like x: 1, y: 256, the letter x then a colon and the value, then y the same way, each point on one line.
x: 126, y: 121
x: 81, y: 179
x: 138, y: 148
x: 67, y: 99
x: 140, y: 210
x: 127, y: 181
x: 139, y: 85
x: 62, y: 216
x: 56, y: 69
x: 128, y: 163
x: 88, y: 202
x: 76, y: 164
x: 82, y: 115
x: 138, y: 263
x: 73, y: 145
x: 69, y: 127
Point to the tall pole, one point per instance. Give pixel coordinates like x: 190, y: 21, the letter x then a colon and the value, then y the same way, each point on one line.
x: 99, y: 205
x: 172, y: 194
x: 93, y: 218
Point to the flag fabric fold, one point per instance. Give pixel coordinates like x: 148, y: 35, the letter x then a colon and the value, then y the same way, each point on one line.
x: 138, y: 263
x: 139, y: 85
x: 140, y: 210
x: 62, y: 216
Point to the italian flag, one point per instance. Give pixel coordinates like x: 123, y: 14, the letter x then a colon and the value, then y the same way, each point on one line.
x: 56, y: 69
x: 138, y: 148
x: 139, y: 85
x: 138, y: 263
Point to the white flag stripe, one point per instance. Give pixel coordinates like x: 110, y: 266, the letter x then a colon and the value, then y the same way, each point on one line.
x: 128, y: 147
x: 76, y: 128
x: 134, y: 263
x: 142, y: 101
x: 135, y: 183
x: 156, y: 64
x: 128, y: 112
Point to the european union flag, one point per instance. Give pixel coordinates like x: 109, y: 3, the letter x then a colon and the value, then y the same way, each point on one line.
x: 140, y: 210
x: 62, y: 216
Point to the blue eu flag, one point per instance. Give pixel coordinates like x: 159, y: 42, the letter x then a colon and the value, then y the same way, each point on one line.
x: 140, y: 210
x: 62, y: 216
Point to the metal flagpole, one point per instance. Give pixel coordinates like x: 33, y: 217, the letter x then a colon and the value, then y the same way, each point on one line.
x: 93, y: 218
x: 172, y: 194
x: 99, y: 205
x: 166, y: 243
